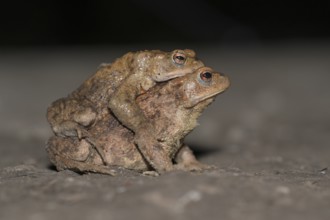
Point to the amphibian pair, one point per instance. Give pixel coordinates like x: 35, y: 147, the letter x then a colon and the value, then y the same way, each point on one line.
x: 133, y: 114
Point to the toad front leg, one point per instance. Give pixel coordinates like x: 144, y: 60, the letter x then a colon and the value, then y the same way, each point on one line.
x: 156, y: 156
x: 123, y: 105
x: 187, y: 161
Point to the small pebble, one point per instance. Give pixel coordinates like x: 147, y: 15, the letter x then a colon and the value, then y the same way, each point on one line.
x: 323, y: 171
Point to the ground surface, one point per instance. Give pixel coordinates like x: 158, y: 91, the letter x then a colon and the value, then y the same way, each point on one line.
x: 268, y: 136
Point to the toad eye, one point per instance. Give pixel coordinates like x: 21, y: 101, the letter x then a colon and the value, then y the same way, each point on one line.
x: 205, y: 76
x: 179, y: 58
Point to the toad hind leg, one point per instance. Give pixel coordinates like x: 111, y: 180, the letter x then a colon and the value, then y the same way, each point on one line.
x: 78, y: 166
x: 73, y: 129
x: 72, y: 154
x: 98, y: 149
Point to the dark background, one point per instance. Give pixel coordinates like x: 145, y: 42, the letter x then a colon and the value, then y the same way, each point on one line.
x: 39, y: 23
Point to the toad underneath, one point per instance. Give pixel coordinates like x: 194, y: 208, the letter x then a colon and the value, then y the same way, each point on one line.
x: 172, y: 107
x: 115, y: 86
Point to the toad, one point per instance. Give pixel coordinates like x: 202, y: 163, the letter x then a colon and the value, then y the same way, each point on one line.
x: 171, y: 107
x: 115, y: 86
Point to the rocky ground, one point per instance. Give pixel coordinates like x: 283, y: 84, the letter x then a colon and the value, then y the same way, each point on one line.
x: 269, y: 136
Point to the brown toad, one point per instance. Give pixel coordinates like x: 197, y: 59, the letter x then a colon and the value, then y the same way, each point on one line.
x: 172, y: 107
x: 116, y: 86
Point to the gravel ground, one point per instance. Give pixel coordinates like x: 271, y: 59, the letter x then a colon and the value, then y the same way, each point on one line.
x: 268, y: 136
